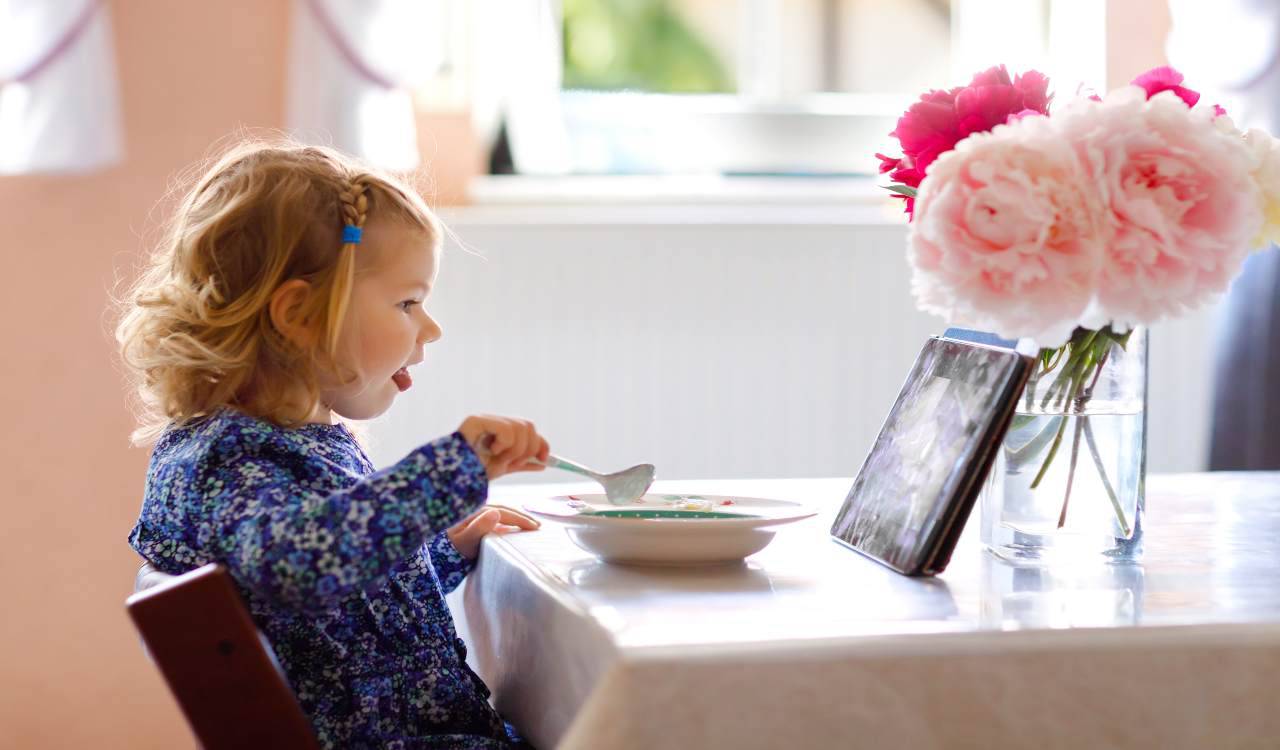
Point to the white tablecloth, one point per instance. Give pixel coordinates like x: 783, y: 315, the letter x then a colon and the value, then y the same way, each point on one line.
x: 809, y: 645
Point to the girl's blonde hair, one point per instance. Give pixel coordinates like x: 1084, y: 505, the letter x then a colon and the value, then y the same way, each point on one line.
x: 196, y: 331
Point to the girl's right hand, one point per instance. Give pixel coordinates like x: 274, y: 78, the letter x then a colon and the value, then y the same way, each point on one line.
x: 504, y: 444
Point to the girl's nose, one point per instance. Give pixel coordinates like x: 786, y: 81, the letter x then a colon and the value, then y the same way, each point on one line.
x: 431, y: 330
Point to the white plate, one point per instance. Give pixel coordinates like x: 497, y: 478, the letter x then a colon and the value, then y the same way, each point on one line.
x: 668, y: 529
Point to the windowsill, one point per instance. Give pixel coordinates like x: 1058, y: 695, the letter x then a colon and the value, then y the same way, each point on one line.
x: 676, y: 200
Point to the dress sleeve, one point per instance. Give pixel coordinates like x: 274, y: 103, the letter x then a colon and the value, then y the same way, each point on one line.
x: 451, y: 567
x: 309, y: 549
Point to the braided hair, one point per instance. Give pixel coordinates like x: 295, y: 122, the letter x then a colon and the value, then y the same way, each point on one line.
x: 355, y: 204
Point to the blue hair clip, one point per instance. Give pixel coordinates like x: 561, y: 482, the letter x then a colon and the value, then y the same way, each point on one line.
x: 352, y: 234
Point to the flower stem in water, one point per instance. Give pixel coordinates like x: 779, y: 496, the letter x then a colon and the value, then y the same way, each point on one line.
x: 1096, y: 361
x: 1106, y: 483
x: 1086, y: 354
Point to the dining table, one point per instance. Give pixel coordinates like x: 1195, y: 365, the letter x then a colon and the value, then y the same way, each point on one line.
x: 809, y: 644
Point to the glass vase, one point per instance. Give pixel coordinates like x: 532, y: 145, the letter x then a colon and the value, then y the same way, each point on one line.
x: 1069, y: 478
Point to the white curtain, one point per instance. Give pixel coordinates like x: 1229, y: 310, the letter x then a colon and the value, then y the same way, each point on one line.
x: 353, y: 65
x: 59, y: 100
x: 518, y: 70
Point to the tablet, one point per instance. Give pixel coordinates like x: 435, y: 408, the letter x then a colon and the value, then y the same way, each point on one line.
x: 915, y: 489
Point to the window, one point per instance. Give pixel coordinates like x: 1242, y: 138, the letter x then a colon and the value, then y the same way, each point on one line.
x: 772, y: 51
x: 789, y: 86
x: 753, y: 87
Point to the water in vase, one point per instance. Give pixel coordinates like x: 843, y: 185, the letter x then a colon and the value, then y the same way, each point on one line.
x: 1087, y: 501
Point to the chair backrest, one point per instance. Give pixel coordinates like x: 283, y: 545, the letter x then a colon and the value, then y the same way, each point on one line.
x: 217, y: 664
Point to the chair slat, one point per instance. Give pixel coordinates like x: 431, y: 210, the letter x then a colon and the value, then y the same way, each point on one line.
x: 211, y: 654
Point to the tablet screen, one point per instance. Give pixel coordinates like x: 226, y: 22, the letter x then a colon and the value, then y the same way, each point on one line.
x: 930, y: 452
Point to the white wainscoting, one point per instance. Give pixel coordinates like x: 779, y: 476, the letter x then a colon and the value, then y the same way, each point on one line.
x: 730, y: 346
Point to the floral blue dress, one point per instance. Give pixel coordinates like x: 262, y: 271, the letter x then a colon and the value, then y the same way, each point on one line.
x: 344, y: 569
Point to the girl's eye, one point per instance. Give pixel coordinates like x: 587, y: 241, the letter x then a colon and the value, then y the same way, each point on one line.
x: 408, y: 304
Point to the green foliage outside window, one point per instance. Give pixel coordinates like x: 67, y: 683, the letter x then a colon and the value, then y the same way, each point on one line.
x: 637, y: 44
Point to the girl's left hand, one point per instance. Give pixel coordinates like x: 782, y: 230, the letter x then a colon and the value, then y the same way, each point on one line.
x: 496, y: 519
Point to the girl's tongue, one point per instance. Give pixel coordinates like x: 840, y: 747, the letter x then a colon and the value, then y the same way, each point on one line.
x: 402, y: 379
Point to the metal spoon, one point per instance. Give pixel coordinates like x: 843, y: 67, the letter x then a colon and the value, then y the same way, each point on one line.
x: 620, y: 487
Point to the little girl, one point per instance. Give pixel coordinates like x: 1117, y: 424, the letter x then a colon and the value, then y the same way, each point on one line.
x: 289, y: 290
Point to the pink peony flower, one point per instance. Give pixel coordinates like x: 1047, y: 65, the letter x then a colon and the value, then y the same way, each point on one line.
x: 1264, y: 168
x: 1006, y: 236
x: 992, y: 98
x: 1180, y: 204
x: 1166, y: 78
x: 888, y: 163
x: 904, y: 172
x: 1265, y: 151
x: 941, y: 119
x: 928, y: 129
x: 900, y: 170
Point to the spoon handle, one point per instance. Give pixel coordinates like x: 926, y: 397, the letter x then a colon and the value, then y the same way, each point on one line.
x: 556, y: 462
x: 553, y: 461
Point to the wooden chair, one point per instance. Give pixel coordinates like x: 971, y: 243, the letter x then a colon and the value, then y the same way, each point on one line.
x: 217, y: 664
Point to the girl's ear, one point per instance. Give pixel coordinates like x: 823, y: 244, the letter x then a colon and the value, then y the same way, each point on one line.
x: 287, y: 308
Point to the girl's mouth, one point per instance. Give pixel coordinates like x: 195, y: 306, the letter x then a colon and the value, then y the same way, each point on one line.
x: 402, y: 379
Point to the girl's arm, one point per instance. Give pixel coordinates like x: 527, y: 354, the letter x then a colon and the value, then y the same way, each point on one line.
x: 451, y: 567
x: 454, y: 552
x: 310, y: 549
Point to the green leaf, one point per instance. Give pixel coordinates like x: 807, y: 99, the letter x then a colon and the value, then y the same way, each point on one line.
x: 906, y: 190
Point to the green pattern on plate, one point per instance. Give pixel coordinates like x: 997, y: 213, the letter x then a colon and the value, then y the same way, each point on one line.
x: 667, y: 514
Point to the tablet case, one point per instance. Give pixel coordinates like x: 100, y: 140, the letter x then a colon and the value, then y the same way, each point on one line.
x: 919, y: 481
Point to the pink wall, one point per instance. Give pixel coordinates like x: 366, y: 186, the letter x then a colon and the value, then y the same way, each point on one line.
x: 73, y: 673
